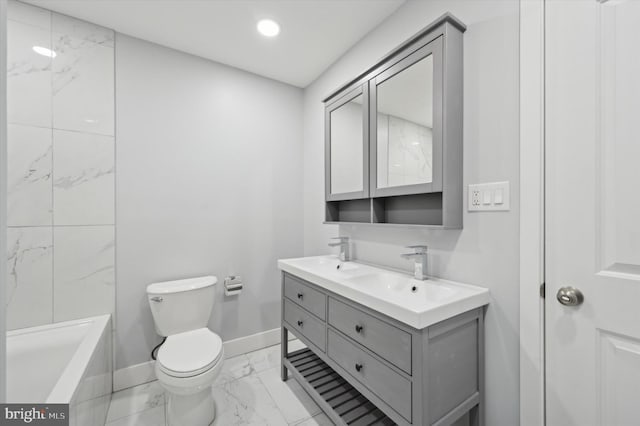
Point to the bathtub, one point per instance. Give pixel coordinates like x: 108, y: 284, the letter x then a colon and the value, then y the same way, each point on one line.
x: 67, y: 362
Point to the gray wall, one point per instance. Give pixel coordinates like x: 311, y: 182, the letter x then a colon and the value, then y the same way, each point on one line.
x: 486, y: 251
x: 3, y: 191
x: 208, y: 182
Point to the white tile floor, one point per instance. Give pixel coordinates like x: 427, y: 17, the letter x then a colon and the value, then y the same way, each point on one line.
x: 247, y: 392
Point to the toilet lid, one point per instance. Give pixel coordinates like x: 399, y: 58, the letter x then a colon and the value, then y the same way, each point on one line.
x: 190, y: 353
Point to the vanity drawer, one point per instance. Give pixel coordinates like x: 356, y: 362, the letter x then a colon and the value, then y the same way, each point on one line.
x: 380, y: 379
x: 305, y: 324
x: 386, y: 340
x: 305, y: 296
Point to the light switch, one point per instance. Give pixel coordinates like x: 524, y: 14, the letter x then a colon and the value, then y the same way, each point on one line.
x: 486, y: 197
x: 498, y: 197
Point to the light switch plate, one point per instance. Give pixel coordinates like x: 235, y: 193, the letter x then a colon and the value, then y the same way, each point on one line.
x: 479, y: 194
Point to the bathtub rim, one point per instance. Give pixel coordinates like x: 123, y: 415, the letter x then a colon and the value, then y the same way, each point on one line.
x: 67, y: 384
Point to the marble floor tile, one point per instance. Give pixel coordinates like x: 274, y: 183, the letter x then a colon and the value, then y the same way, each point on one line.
x: 293, y: 401
x: 245, y: 401
x: 234, y: 368
x: 318, y: 420
x: 267, y: 358
x: 295, y: 345
x: 153, y: 417
x: 243, y: 397
x: 136, y: 399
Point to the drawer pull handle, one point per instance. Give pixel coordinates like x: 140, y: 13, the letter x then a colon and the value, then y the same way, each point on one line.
x: 300, y: 296
x: 359, y: 328
x: 358, y: 367
x: 300, y: 323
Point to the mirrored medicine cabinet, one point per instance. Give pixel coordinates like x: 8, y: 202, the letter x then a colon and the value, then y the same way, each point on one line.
x: 393, y: 136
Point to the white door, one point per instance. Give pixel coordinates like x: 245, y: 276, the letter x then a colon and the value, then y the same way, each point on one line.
x: 592, y: 111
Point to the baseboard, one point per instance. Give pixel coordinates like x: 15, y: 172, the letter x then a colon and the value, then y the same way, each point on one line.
x: 133, y: 375
x: 246, y: 344
x: 138, y: 374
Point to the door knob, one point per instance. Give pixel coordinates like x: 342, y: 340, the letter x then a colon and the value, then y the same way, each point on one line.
x: 570, y: 296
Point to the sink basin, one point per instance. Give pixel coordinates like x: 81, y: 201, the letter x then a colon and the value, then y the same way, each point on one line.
x: 398, y: 295
x: 397, y: 285
x: 327, y: 263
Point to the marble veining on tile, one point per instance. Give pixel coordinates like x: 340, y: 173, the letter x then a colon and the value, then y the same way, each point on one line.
x: 134, y: 400
x: 29, y: 199
x: 242, y: 396
x: 152, y: 417
x: 84, y: 271
x: 83, y: 85
x: 64, y: 24
x: 83, y: 179
x: 28, y: 75
x: 245, y: 402
x: 29, y: 285
x: 293, y: 401
x: 60, y: 76
x: 267, y: 358
x: 234, y: 368
x: 264, y: 359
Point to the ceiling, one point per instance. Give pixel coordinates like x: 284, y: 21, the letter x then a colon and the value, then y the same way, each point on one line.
x: 314, y: 33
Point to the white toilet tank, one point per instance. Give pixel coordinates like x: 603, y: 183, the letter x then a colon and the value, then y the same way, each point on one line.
x: 181, y: 305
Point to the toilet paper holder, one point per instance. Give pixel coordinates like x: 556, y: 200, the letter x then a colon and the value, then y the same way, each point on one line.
x: 232, y: 285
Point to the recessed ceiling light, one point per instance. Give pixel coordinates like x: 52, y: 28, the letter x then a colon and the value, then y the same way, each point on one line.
x: 44, y: 51
x: 268, y: 28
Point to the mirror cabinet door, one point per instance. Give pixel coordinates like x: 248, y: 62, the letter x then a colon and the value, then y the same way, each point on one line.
x: 406, y: 111
x: 347, y: 147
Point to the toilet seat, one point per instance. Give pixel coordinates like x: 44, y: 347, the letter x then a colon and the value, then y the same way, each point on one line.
x: 190, y: 353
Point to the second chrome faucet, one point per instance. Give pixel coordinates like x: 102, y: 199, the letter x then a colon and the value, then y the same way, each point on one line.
x: 419, y: 255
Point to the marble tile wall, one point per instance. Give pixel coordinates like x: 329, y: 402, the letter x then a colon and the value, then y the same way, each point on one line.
x: 405, y: 152
x: 61, y: 146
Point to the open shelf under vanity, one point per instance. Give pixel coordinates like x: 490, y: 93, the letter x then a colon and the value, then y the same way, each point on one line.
x: 333, y: 393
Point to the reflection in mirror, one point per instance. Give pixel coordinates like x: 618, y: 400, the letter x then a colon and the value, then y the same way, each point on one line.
x: 347, y: 147
x: 405, y: 124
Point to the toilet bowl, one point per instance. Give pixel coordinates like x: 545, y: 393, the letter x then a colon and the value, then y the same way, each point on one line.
x: 191, y: 357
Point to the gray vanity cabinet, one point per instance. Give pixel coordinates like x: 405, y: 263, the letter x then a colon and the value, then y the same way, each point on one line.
x: 362, y: 367
x: 413, y: 144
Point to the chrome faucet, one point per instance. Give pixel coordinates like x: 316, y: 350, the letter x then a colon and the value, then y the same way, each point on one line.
x: 344, y: 247
x: 420, y: 256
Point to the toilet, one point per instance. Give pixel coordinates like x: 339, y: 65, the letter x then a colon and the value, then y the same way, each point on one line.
x: 191, y: 358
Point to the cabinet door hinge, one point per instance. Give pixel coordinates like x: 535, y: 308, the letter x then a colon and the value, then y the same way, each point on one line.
x: 542, y: 290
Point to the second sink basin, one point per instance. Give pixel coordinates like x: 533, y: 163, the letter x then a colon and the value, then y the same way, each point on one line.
x: 403, y: 285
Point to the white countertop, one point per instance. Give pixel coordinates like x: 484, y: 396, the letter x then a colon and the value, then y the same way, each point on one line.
x: 398, y: 295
